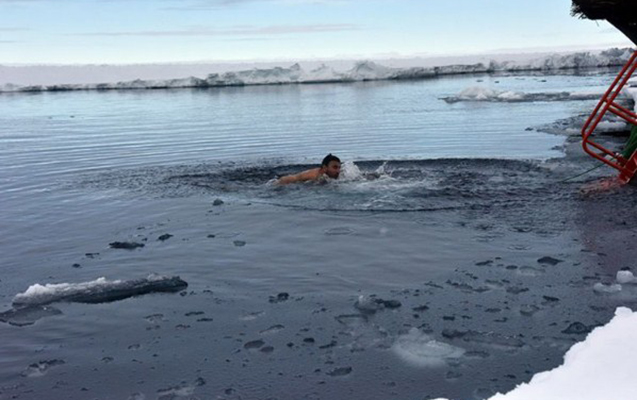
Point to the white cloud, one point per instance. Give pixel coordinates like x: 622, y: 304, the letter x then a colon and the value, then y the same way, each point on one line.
x: 271, y: 30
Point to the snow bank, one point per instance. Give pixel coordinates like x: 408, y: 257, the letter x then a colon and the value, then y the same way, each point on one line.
x: 600, y: 367
x: 361, y: 71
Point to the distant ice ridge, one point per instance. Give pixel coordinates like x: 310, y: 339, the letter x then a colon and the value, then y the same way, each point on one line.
x: 600, y: 367
x: 361, y: 71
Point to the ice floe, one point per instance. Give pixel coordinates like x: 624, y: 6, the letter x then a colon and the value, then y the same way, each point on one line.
x: 420, y: 349
x: 477, y: 93
x: 97, y: 291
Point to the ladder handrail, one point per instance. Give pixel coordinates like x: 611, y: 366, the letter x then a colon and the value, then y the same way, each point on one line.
x: 607, y: 103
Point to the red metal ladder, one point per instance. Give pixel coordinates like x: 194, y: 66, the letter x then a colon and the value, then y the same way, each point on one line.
x: 626, y: 167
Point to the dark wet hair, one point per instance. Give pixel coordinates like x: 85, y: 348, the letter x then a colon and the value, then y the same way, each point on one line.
x: 328, y: 158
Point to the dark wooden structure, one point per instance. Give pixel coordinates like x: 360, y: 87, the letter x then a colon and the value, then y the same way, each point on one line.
x: 622, y: 14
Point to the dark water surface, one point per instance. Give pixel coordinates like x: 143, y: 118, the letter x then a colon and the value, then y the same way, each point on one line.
x: 490, y: 254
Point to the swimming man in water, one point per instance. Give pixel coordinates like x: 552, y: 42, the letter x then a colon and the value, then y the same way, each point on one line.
x: 330, y: 167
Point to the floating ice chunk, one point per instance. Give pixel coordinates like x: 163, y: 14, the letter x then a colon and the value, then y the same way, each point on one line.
x: 97, y: 291
x: 477, y: 93
x: 41, y: 368
x: 39, y: 292
x: 421, y: 350
x: 626, y: 277
x: 367, y: 304
x: 601, y: 288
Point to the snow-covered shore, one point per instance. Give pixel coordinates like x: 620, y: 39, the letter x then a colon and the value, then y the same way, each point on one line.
x: 600, y: 367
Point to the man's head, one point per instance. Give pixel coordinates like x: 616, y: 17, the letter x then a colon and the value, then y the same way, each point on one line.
x: 331, y: 166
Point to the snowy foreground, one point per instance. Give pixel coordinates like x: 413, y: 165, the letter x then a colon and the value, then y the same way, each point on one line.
x: 296, y: 74
x: 600, y: 367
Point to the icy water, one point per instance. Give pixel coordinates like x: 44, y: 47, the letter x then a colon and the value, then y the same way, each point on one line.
x: 473, y: 258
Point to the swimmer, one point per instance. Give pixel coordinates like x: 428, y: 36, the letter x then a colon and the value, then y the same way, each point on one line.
x: 330, y: 168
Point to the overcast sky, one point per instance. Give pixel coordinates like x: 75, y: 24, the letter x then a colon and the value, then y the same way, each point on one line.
x: 141, y: 31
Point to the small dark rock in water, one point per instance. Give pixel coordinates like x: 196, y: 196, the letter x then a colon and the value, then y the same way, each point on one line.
x: 309, y: 340
x: 421, y: 308
x: 107, y: 359
x: 517, y: 289
x: 91, y: 255
x: 279, y: 297
x: 529, y: 310
x: 217, y: 202
x: 205, y: 320
x: 329, y: 345
x: 191, y: 313
x: 453, y: 375
x: 449, y: 317
x: 453, y: 333
x: 389, y: 303
x: 550, y: 299
x: 239, y: 243
x: 76, y: 265
x: 484, y: 263
x: 342, y: 371
x: 549, y: 260
x: 576, y: 328
x: 273, y: 329
x: 267, y: 349
x: 255, y: 344
x: 211, y: 236
x: 125, y: 245
x: 511, y: 267
x: 477, y: 354
x: 165, y: 236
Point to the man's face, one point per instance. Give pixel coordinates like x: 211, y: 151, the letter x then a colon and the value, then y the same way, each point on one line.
x: 333, y: 169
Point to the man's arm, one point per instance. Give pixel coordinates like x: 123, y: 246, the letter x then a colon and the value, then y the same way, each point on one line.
x: 304, y: 176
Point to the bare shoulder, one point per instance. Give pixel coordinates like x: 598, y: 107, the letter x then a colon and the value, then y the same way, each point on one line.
x: 308, y: 175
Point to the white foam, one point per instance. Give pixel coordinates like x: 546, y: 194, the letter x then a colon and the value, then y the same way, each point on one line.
x: 419, y: 349
x: 350, y: 172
